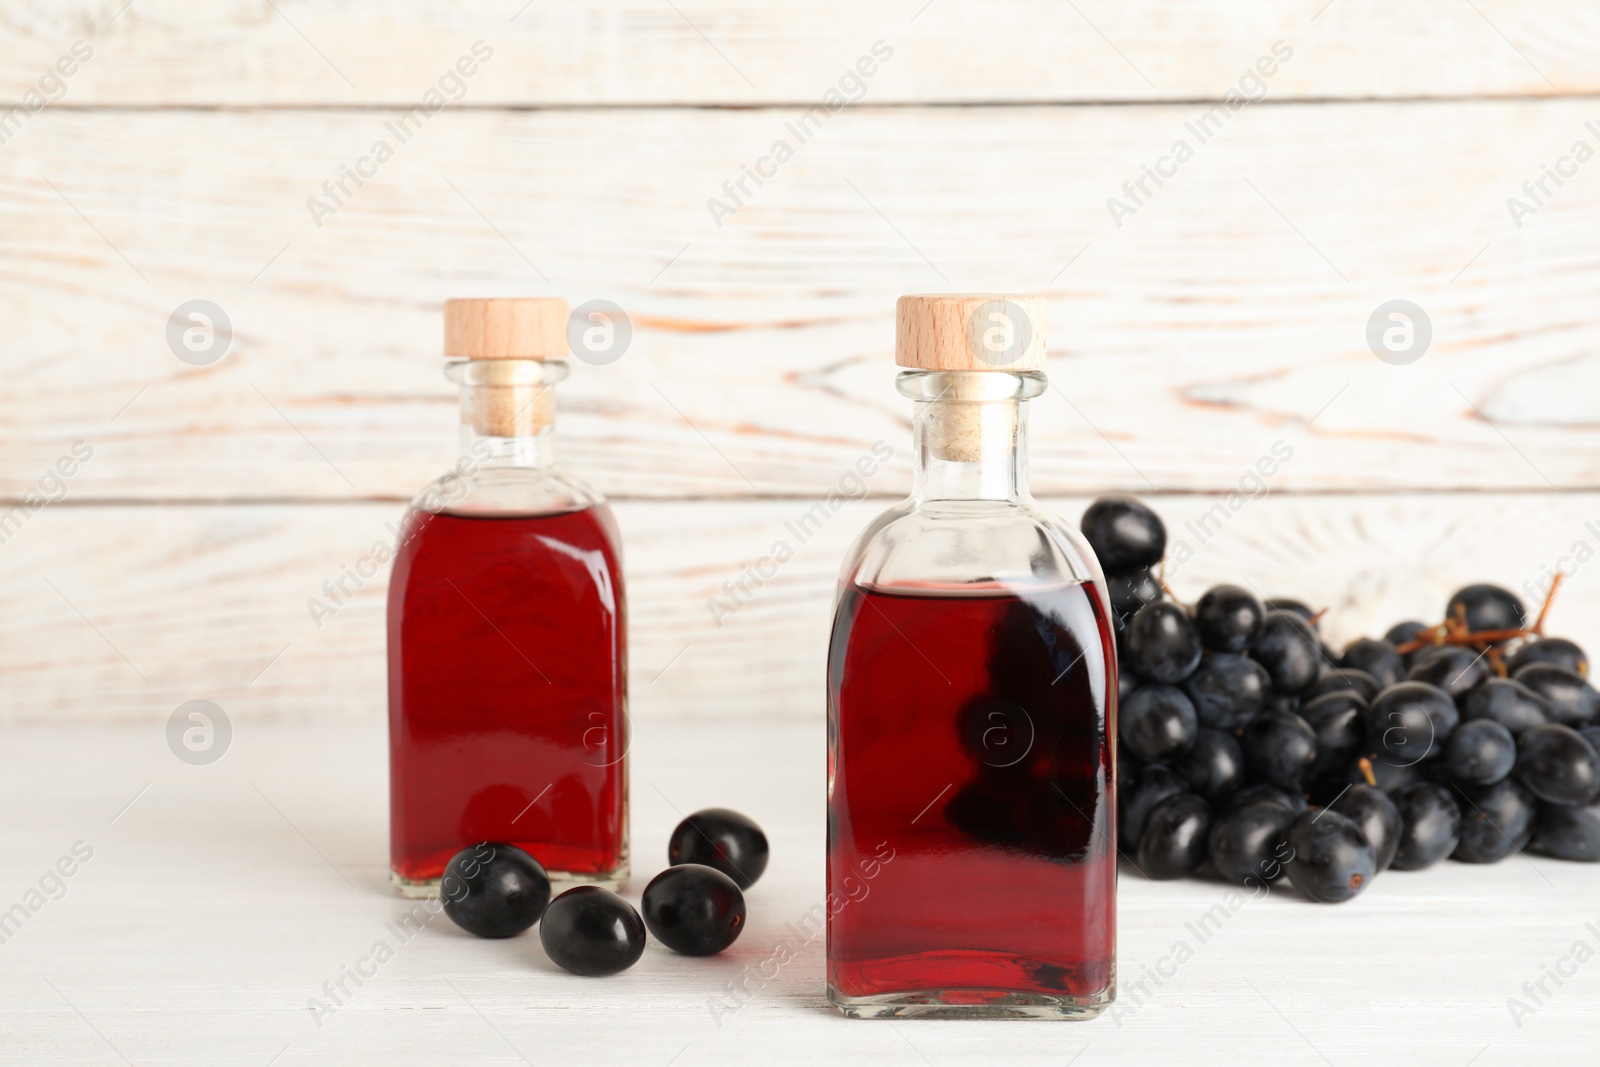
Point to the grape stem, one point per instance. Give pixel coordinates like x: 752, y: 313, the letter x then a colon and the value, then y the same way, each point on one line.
x: 1454, y: 632
x: 1161, y: 580
x: 1544, y: 609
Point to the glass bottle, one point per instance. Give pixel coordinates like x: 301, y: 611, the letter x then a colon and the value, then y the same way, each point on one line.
x: 971, y: 709
x: 507, y: 628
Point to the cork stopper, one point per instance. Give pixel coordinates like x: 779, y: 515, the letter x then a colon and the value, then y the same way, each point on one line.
x: 521, y: 328
x: 970, y: 332
x: 506, y: 389
x: 974, y: 414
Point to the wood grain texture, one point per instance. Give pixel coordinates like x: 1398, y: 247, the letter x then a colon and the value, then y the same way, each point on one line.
x: 1229, y: 311
x: 119, y: 613
x: 947, y: 332
x: 611, y: 52
x: 220, y: 901
x: 506, y: 329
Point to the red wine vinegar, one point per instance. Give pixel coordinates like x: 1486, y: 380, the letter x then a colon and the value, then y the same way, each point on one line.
x: 971, y: 743
x: 507, y: 691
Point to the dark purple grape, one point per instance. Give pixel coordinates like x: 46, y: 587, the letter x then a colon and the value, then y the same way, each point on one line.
x: 1507, y: 702
x: 1558, y: 764
x: 1343, y: 680
x: 1453, y: 668
x: 1569, y: 832
x: 1320, y: 789
x: 1263, y: 793
x: 1229, y: 618
x: 494, y: 890
x: 1402, y: 632
x: 1228, y: 690
x: 1431, y: 826
x: 1132, y: 590
x: 724, y: 840
x: 1572, y: 700
x: 1480, y: 752
x: 1249, y: 841
x: 694, y: 909
x: 1591, y: 734
x: 1486, y: 607
x: 1138, y: 795
x: 1289, y: 702
x: 1294, y: 607
x: 1162, y: 644
x: 1157, y: 723
x: 1278, y: 749
x: 1173, y: 843
x: 1391, y: 778
x: 1377, y: 658
x: 1374, y: 811
x: 592, y: 931
x: 1496, y: 820
x: 1436, y: 770
x: 1289, y: 650
x: 1557, y: 650
x: 1330, y: 859
x: 1339, y: 722
x: 1124, y: 533
x: 1127, y: 682
x: 1214, y: 767
x: 1410, y: 721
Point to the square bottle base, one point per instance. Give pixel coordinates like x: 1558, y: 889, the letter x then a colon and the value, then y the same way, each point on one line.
x: 560, y: 882
x: 972, y: 1004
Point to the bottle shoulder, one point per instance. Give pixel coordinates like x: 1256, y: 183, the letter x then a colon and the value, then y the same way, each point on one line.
x: 563, y: 554
x: 978, y: 544
x: 470, y: 489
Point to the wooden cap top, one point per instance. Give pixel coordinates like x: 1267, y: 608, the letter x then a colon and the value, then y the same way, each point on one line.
x: 521, y: 328
x: 970, y: 331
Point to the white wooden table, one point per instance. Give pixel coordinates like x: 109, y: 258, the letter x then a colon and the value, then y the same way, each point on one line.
x: 223, y: 897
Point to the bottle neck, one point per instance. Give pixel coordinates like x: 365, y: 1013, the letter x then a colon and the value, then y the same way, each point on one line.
x: 508, y: 411
x: 970, y: 433
x: 523, y: 450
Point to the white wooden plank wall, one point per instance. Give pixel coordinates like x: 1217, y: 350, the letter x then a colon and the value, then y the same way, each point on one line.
x: 1227, y: 312
x: 626, y: 52
x: 185, y: 601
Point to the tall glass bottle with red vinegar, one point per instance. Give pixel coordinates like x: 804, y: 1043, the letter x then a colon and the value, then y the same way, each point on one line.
x: 971, y: 708
x: 507, y: 628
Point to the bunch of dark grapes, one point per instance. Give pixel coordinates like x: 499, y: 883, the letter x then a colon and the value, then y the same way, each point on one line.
x: 1248, y: 745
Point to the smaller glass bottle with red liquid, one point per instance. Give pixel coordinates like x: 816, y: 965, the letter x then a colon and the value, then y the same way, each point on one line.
x: 507, y: 628
x: 971, y: 708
